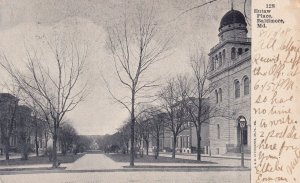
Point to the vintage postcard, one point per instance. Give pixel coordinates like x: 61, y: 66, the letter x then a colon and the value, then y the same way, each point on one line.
x: 149, y: 91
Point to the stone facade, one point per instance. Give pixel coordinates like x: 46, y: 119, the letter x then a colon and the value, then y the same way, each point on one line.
x: 229, y: 76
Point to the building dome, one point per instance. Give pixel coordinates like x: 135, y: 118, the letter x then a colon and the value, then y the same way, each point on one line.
x: 231, y: 17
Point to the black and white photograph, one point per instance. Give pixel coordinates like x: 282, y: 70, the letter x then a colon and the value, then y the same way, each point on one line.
x: 125, y: 91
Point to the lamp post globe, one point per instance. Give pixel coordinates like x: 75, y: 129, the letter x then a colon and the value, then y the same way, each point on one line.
x: 242, y: 121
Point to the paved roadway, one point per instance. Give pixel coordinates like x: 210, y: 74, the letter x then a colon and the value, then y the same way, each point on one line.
x: 94, y: 162
x: 100, y: 161
x: 116, y: 177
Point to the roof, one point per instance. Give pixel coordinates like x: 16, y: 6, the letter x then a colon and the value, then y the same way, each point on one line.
x: 231, y: 17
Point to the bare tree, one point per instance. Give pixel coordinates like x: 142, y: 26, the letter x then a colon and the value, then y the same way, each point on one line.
x: 158, y: 123
x: 144, y: 124
x: 138, y: 139
x: 67, y: 137
x: 41, y: 122
x: 174, y: 98
x: 53, y: 85
x: 199, y: 108
x: 8, y: 110
x: 199, y: 112
x: 124, y: 132
x: 23, y: 129
x: 136, y: 43
x: 45, y: 134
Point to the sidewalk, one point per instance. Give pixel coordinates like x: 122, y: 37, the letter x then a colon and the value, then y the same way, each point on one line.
x: 27, y: 167
x: 232, y: 156
x: 217, y: 160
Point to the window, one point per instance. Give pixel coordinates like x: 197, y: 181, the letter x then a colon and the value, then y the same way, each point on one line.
x: 236, y: 89
x: 233, y: 53
x: 246, y: 85
x: 216, y: 62
x: 220, y: 59
x: 216, y: 93
x: 181, y: 141
x: 220, y: 94
x: 212, y: 64
x: 218, y: 131
x: 240, y: 51
x: 247, y: 49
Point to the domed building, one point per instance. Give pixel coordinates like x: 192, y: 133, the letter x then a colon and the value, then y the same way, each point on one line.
x: 229, y: 76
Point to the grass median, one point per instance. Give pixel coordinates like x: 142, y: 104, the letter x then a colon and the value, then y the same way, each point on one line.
x: 118, y: 157
x: 32, y: 160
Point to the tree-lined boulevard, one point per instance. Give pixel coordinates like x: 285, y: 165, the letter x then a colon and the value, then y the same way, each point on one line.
x: 97, y: 167
x: 53, y: 77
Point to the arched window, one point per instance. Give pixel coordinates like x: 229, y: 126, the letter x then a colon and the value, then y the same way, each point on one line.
x: 236, y: 89
x: 216, y: 93
x: 216, y: 62
x: 212, y: 65
x: 218, y: 131
x: 233, y: 54
x: 223, y: 54
x: 240, y: 51
x: 246, y: 86
x: 220, y: 94
x: 220, y: 59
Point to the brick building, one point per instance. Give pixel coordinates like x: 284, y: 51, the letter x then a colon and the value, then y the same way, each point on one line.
x: 16, y: 123
x: 8, y: 109
x: 229, y: 76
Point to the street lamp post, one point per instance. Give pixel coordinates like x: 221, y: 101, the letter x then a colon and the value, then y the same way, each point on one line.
x: 242, y: 122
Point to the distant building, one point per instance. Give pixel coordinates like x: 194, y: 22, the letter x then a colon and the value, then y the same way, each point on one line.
x: 229, y: 76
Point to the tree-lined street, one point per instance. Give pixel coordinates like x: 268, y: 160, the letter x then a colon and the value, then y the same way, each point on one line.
x: 100, y: 168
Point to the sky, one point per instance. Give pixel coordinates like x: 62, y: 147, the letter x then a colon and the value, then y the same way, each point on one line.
x: 23, y: 22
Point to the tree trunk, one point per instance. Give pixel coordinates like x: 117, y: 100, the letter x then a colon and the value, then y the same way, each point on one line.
x: 6, y: 149
x: 36, y: 142
x: 54, y: 152
x: 174, y: 147
x: 132, y: 131
x: 132, y: 144
x: 147, y: 147
x: 63, y: 149
x: 157, y: 146
x: 25, y: 151
x: 199, y: 144
x: 46, y: 146
x: 141, y: 149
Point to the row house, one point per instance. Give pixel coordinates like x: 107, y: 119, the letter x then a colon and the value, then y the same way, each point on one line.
x: 18, y: 124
